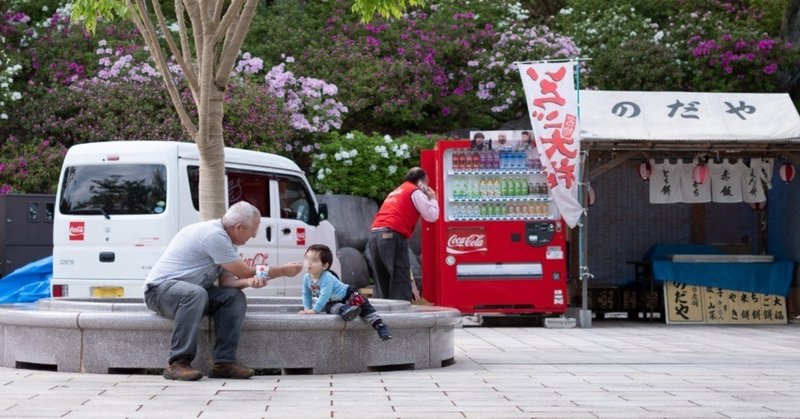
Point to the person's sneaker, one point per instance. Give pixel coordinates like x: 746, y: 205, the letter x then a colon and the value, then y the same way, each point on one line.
x: 383, y: 332
x: 349, y: 313
x: 182, y: 370
x: 230, y: 370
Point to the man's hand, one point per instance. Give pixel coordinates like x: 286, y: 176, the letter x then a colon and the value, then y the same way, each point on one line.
x: 429, y: 192
x: 256, y: 282
x: 291, y: 269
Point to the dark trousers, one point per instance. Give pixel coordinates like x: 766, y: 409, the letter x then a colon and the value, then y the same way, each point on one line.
x: 187, y: 303
x: 368, y: 313
x: 390, y: 264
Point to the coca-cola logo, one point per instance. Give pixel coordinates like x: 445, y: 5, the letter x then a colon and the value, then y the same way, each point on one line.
x: 466, y: 241
x: 76, y: 230
x: 301, y: 236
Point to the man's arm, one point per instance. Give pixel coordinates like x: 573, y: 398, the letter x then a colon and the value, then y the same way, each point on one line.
x: 229, y: 280
x: 426, y: 204
x: 242, y: 276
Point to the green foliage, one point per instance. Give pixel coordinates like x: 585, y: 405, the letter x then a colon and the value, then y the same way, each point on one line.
x: 37, y: 10
x: 627, y: 49
x: 365, y: 165
x: 285, y: 28
x: 30, y: 167
x: 98, y: 112
x: 90, y: 11
x: 740, y: 62
x: 499, y: 81
x: 772, y: 15
x: 367, y: 9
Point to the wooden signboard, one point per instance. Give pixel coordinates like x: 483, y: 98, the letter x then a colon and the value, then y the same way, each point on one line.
x: 710, y: 305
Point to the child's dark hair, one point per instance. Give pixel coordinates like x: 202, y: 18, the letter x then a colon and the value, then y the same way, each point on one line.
x: 325, y: 256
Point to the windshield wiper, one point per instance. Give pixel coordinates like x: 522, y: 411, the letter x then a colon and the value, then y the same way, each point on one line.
x: 91, y: 210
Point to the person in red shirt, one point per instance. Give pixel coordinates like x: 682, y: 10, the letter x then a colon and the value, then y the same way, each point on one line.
x: 390, y: 230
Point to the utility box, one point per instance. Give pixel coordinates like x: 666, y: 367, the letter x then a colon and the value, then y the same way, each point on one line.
x: 27, y: 229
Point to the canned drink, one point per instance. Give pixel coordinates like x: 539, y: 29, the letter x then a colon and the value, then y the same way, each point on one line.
x: 262, y: 271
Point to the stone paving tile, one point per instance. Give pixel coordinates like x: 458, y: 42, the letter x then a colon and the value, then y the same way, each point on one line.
x: 612, y: 370
x: 38, y: 415
x: 246, y: 405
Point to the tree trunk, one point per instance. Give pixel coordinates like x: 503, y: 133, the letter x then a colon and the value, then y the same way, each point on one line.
x: 790, y: 32
x: 790, y: 27
x: 211, y: 146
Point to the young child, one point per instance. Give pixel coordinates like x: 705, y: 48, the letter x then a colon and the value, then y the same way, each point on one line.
x: 334, y: 296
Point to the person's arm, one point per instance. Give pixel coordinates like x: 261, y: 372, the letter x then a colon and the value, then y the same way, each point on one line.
x: 306, y: 294
x: 229, y: 280
x: 426, y: 204
x: 243, y: 276
x: 325, y: 291
x: 241, y: 270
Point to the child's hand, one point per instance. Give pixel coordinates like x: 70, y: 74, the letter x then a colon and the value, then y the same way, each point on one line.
x: 308, y: 311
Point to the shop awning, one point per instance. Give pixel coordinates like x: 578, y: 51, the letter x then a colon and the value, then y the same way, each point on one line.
x: 624, y: 116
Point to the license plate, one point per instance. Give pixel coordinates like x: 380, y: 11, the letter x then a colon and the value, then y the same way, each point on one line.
x: 107, y: 292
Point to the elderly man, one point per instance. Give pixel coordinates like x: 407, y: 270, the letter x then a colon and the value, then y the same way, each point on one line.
x: 181, y: 286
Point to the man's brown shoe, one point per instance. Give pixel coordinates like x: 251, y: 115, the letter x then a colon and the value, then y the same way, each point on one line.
x: 182, y: 370
x: 230, y: 370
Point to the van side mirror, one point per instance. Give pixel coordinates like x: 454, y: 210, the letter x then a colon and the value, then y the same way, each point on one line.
x: 323, y: 212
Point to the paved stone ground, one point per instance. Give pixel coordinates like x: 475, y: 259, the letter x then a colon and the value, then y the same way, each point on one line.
x: 616, y: 369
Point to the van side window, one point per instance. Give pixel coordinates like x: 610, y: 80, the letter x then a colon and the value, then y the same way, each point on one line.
x: 114, y: 189
x: 295, y: 201
x: 242, y: 186
x: 250, y: 187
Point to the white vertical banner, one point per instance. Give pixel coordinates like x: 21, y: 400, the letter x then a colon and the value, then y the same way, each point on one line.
x: 752, y: 184
x: 665, y: 182
x: 726, y: 181
x: 553, y: 108
x: 693, y: 192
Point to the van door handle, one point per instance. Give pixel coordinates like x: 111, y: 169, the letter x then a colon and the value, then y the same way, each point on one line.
x: 269, y: 234
x: 287, y: 231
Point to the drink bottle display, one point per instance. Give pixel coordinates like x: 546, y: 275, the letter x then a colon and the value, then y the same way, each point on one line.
x: 497, y: 185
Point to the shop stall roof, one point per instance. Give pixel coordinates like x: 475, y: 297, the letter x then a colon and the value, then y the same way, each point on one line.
x: 675, y: 121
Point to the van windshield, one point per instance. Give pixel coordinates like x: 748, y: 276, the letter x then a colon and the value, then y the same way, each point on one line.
x: 116, y: 189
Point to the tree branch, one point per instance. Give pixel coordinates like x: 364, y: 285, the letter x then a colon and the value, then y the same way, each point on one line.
x: 188, y: 72
x: 231, y: 15
x: 179, y: 16
x: 231, y: 50
x: 218, y: 9
x: 195, y: 17
x: 146, y: 29
x: 229, y: 35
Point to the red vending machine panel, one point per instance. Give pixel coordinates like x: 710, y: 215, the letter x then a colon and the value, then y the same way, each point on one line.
x: 499, y: 244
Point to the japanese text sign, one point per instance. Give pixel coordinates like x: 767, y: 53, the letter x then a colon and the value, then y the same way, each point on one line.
x: 553, y: 109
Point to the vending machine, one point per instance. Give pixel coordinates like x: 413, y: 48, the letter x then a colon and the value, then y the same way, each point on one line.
x: 499, y: 244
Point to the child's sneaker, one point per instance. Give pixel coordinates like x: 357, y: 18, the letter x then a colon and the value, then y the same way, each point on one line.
x: 349, y: 313
x: 383, y: 331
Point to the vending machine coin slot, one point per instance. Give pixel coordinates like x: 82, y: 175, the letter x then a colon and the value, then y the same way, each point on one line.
x: 539, y: 234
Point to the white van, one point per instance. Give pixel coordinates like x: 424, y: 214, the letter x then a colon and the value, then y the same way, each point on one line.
x: 120, y: 203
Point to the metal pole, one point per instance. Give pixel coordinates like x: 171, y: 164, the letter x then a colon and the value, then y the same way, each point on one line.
x: 584, y: 316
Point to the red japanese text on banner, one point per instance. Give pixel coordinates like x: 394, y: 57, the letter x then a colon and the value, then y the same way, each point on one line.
x: 553, y: 109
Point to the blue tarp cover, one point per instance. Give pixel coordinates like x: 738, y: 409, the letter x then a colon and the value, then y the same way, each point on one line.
x: 768, y: 278
x: 28, y: 283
